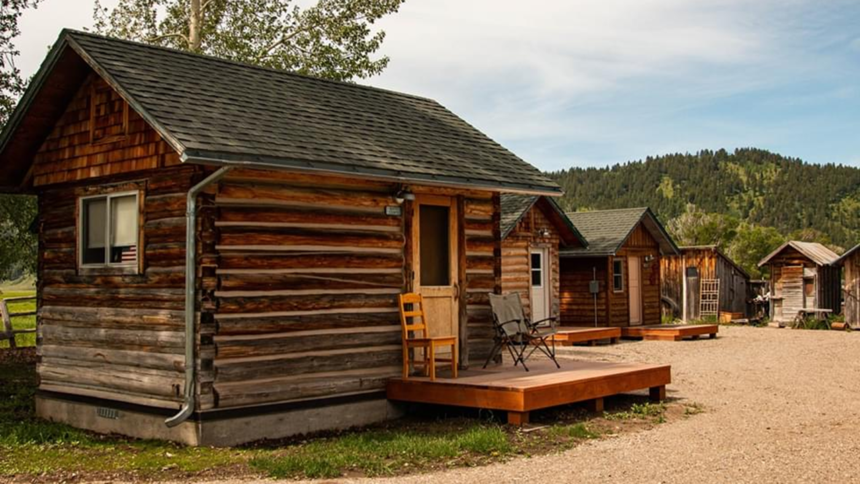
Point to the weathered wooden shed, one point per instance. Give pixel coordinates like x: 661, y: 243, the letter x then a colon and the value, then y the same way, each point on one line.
x: 222, y: 245
x: 850, y: 262
x: 803, y: 275
x: 534, y: 228
x: 615, y: 280
x: 681, y: 277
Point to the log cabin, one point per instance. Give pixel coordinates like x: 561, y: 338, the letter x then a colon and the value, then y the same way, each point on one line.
x: 681, y: 277
x: 534, y: 228
x: 221, y: 246
x: 615, y: 280
x: 803, y: 275
x: 850, y: 262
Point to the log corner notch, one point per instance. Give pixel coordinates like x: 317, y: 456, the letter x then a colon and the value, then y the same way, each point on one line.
x: 189, y: 403
x: 462, y: 283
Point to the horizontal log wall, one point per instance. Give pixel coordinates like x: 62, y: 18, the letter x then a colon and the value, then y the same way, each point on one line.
x: 99, y: 135
x: 304, y: 288
x: 483, y: 272
x: 113, y: 335
x: 576, y: 302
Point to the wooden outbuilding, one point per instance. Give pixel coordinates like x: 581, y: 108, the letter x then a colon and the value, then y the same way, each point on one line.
x: 850, y: 262
x: 222, y: 245
x: 682, y: 275
x: 803, y: 276
x: 615, y: 280
x: 533, y: 230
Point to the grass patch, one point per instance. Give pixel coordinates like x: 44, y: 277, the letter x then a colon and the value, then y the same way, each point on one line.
x: 579, y: 431
x: 21, y: 322
x: 642, y: 411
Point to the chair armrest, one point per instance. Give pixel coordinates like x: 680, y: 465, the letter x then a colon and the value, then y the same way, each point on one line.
x: 552, y: 320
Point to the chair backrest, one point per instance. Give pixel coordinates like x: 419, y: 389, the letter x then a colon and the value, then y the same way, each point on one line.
x: 508, y: 307
x: 408, y: 316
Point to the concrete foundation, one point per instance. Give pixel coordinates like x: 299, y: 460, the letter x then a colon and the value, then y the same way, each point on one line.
x: 214, y: 431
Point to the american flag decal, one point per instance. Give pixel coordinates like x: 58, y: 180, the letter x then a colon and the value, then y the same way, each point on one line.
x: 129, y: 254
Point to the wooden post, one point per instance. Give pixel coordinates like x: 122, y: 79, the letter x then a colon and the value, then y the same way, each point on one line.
x: 609, y: 290
x: 7, y: 325
x: 595, y: 405
x: 518, y: 418
x: 497, y: 243
x: 657, y: 394
x: 462, y: 283
x: 408, y: 246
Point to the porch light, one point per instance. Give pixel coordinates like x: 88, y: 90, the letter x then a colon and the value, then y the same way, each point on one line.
x: 403, y: 194
x: 544, y: 232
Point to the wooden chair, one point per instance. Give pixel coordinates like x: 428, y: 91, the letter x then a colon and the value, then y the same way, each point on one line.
x: 425, y: 342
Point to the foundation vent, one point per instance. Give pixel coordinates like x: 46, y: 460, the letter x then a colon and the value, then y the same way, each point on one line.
x: 110, y: 413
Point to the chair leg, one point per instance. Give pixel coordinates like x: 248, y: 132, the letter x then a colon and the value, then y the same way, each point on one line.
x: 405, y: 361
x: 432, y: 351
x: 496, y: 349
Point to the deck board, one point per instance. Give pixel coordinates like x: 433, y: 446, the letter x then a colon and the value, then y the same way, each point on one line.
x: 511, y: 389
x: 670, y: 332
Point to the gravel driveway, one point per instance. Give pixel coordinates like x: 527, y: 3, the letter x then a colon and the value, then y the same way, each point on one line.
x: 780, y: 406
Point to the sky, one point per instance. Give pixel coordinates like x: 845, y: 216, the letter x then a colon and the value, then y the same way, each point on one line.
x: 565, y: 83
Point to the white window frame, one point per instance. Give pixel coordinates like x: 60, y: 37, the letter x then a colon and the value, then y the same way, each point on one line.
x: 80, y: 223
x: 540, y: 270
x: 621, y: 273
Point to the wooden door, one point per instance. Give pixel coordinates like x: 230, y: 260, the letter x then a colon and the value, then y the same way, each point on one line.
x: 539, y: 281
x: 634, y: 287
x: 792, y: 292
x: 435, y: 262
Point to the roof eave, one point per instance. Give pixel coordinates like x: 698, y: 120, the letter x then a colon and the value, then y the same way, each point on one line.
x: 222, y: 159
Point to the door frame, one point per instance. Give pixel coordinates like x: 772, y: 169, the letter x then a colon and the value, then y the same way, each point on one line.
x: 638, y: 259
x: 545, y: 280
x: 453, y: 256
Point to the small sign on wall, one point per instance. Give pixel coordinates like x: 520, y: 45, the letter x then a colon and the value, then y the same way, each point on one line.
x: 394, y: 210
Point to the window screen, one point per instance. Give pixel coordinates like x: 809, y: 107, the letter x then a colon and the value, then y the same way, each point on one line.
x: 435, y: 243
x: 618, y: 275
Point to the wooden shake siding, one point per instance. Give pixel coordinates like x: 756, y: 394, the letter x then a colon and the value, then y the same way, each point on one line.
x: 851, y: 289
x: 105, y: 334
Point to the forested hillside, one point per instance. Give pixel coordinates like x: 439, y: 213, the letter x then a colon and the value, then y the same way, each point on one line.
x: 717, y: 196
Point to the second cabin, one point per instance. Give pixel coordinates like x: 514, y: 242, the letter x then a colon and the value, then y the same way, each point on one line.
x: 615, y: 280
x: 534, y: 228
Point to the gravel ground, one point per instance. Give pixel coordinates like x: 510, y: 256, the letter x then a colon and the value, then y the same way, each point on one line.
x: 780, y: 406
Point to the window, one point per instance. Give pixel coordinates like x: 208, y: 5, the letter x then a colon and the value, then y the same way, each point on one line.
x: 618, y: 275
x: 537, y: 269
x: 109, y: 230
x: 435, y: 245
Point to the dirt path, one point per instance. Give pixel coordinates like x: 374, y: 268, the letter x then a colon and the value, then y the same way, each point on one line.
x: 780, y: 406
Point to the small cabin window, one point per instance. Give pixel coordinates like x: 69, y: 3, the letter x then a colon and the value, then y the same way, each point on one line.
x: 435, y: 245
x: 537, y: 269
x: 109, y: 230
x: 618, y: 275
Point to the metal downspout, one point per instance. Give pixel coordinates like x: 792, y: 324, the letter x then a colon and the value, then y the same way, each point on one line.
x: 190, y: 292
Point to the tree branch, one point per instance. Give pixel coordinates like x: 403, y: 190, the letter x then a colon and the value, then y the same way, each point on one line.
x: 166, y: 36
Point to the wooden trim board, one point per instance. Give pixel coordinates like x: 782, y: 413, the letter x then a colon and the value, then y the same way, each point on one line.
x: 670, y: 332
x: 570, y: 335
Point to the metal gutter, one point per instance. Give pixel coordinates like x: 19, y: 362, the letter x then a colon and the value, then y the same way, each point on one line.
x: 190, y: 292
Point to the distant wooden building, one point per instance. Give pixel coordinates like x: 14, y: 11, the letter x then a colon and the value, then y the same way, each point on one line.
x: 681, y: 277
x: 222, y: 245
x: 533, y: 230
x: 615, y: 280
x: 850, y: 262
x: 803, y: 275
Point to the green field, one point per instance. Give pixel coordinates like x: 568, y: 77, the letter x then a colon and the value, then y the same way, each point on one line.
x: 22, y: 322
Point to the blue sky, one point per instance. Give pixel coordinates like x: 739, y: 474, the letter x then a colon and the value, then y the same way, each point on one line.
x: 591, y: 83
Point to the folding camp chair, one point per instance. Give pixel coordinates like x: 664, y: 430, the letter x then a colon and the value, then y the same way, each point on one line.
x: 515, y: 332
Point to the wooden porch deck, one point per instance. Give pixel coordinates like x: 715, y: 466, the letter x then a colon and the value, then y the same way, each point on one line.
x: 670, y: 332
x: 511, y: 389
x: 569, y: 335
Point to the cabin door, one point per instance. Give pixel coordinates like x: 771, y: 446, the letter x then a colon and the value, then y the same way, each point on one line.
x: 435, y: 262
x: 634, y: 286
x: 539, y: 296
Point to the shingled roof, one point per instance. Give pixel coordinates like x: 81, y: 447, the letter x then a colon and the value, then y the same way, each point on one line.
x: 514, y: 207
x: 608, y: 230
x: 214, y: 111
x: 813, y: 251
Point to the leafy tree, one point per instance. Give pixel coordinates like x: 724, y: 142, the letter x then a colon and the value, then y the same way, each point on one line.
x: 695, y: 227
x: 18, y: 245
x: 751, y: 244
x: 331, y: 39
